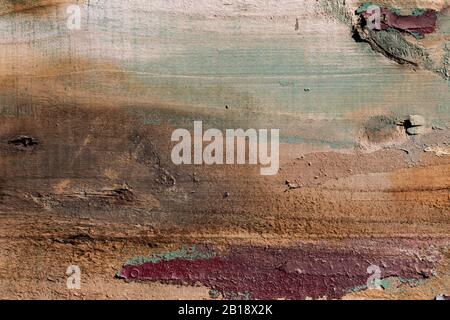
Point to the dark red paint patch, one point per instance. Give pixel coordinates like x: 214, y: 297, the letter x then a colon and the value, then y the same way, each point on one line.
x: 276, y: 273
x: 421, y: 24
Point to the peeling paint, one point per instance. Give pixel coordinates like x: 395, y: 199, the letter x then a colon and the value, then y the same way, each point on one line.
x: 420, y: 21
x: 276, y: 273
x: 185, y: 253
x: 391, y: 37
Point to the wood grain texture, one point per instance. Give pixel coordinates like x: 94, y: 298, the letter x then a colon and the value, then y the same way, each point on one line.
x: 86, y: 118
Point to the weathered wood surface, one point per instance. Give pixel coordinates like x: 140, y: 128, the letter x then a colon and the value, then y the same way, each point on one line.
x: 86, y: 117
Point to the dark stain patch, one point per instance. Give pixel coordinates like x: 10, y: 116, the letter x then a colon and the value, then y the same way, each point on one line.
x: 381, y: 131
x: 146, y: 154
x: 76, y: 239
x: 23, y: 142
x: 83, y: 162
x: 105, y: 198
x: 33, y: 7
x: 380, y: 128
x: 277, y: 272
x: 124, y: 194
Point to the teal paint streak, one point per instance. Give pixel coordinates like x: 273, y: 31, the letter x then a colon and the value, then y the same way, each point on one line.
x: 357, y: 289
x: 262, y: 78
x: 387, y: 283
x: 187, y: 253
x: 417, y: 12
x: 363, y: 8
x: 396, y: 11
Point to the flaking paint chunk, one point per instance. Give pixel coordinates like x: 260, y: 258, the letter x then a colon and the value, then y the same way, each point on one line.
x: 420, y: 22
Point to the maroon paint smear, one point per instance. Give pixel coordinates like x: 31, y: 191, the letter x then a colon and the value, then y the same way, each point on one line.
x: 423, y: 24
x: 276, y: 273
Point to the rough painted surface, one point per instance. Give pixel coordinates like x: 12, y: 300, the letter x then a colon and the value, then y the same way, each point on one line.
x: 85, y: 170
x: 420, y: 21
x: 252, y: 272
x: 400, y: 36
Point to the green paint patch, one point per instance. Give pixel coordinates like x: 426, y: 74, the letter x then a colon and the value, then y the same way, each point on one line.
x: 418, y: 12
x: 411, y: 282
x: 186, y: 253
x: 393, y: 282
x: 357, y: 289
x: 389, y: 284
x: 380, y: 129
x: 364, y: 7
x: 262, y: 77
x: 417, y: 35
x: 396, y: 11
